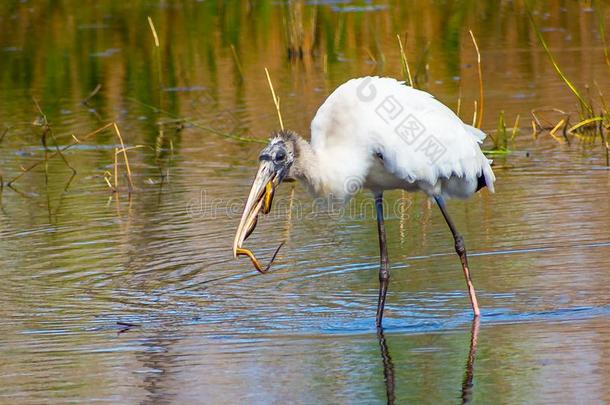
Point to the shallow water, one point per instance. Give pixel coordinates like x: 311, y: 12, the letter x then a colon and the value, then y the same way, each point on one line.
x: 120, y: 298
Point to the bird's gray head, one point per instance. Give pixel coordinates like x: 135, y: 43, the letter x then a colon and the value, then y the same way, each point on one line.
x: 276, y: 161
x: 279, y: 154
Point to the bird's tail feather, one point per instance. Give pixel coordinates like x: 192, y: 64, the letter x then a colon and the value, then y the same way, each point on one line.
x: 489, y: 176
x: 476, y: 133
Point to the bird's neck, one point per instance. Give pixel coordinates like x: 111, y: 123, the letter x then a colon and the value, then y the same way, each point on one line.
x: 306, y: 167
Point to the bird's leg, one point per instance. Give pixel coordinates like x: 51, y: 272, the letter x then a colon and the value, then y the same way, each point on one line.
x: 460, y: 248
x: 384, y: 265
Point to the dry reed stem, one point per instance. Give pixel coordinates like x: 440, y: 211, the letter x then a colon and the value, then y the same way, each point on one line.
x: 116, y: 169
x: 534, y: 129
x: 237, y: 63
x: 118, y: 133
x: 474, y: 114
x: 92, y: 94
x: 538, y: 111
x: 61, y: 155
x: 3, y: 134
x: 157, y: 54
x: 47, y: 130
x: 153, y: 30
x: 36, y: 164
x: 59, y: 151
x: 107, y: 176
x: 459, y: 101
x: 370, y: 55
x: 584, y: 123
x: 276, y: 100
x: 480, y: 71
x: 560, y: 124
x: 605, y: 144
x: 405, y: 62
x: 515, y: 128
x: 135, y: 147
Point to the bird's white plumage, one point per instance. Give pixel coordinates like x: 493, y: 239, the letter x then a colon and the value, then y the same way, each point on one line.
x: 381, y: 134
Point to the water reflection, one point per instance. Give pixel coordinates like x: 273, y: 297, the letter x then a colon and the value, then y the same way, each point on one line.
x: 467, y: 382
x: 157, y: 361
x: 388, y: 367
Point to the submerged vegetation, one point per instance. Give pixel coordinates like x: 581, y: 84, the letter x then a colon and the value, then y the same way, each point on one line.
x: 594, y: 121
x: 59, y: 151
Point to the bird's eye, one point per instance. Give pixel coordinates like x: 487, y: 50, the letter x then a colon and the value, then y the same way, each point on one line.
x: 281, y: 155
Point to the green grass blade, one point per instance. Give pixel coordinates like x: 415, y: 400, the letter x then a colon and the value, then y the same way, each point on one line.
x: 563, y: 77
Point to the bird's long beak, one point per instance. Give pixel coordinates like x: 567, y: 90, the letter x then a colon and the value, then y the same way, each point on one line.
x: 259, y: 200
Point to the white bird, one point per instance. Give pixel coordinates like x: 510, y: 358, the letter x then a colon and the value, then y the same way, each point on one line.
x: 379, y: 134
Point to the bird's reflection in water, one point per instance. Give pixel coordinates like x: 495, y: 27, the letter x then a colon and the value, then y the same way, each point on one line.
x: 467, y: 383
x: 388, y: 366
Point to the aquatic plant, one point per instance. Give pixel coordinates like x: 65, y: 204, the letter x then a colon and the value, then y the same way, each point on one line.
x: 503, y: 139
x: 591, y: 123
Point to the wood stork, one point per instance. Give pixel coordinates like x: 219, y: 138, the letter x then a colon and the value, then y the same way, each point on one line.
x: 379, y: 134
